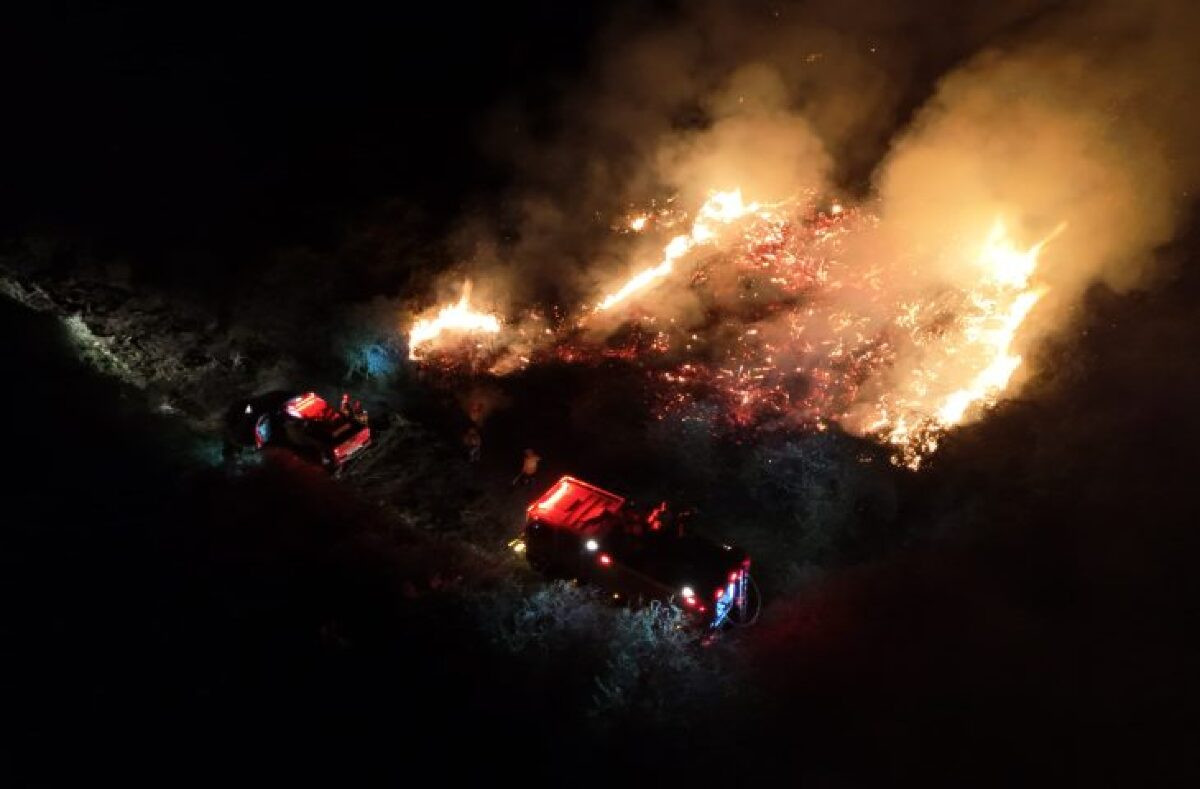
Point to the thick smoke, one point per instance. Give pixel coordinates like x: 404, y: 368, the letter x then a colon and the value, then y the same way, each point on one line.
x: 1083, y: 120
x: 774, y: 96
x: 1081, y: 123
x: 1072, y: 119
x: 1055, y: 111
x: 755, y: 142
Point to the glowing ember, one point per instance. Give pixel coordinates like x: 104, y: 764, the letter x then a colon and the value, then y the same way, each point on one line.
x: 797, y: 333
x: 972, y: 366
x: 458, y: 317
x: 723, y: 207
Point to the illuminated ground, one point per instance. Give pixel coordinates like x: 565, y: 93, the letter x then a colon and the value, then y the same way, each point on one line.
x: 250, y: 198
x: 1044, y: 617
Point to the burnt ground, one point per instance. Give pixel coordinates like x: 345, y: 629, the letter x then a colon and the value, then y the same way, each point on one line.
x: 197, y: 208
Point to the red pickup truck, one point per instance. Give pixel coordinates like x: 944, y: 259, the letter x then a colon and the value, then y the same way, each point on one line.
x: 303, y: 422
x: 578, y: 530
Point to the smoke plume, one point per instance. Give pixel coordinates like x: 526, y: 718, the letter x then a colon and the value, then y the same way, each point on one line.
x: 949, y: 124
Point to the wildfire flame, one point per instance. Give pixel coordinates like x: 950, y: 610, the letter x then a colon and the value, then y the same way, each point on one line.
x: 981, y: 353
x: 809, y: 347
x: 721, y: 207
x: 458, y: 317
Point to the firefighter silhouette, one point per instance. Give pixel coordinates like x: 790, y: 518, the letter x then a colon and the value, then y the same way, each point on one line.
x: 529, y: 467
x: 473, y: 441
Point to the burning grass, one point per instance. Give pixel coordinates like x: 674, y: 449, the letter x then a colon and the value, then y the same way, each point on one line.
x: 781, y: 322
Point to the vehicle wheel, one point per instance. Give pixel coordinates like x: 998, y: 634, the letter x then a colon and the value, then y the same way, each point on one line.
x: 547, y: 567
x: 538, y: 562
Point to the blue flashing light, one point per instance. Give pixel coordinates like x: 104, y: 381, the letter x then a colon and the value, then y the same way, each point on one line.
x: 723, y: 604
x: 262, y: 430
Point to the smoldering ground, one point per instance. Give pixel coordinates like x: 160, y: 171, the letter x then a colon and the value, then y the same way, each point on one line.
x: 1037, y: 622
x: 1067, y: 124
x: 1027, y: 611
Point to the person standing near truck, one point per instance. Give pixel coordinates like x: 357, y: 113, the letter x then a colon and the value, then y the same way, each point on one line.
x: 529, y: 467
x: 473, y: 441
x: 358, y: 413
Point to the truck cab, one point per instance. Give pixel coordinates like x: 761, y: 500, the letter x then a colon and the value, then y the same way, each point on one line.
x: 578, y: 530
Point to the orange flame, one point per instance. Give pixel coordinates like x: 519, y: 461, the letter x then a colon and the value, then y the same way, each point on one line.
x: 721, y: 207
x: 458, y: 317
x: 937, y: 363
x: 974, y: 366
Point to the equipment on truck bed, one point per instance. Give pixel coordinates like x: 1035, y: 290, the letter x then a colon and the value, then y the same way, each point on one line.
x: 578, y: 530
x: 304, y: 422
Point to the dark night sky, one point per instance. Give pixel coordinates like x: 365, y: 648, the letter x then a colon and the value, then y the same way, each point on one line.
x: 210, y: 128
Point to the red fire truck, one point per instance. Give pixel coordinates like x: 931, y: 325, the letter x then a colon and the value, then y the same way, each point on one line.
x: 303, y: 422
x: 578, y: 530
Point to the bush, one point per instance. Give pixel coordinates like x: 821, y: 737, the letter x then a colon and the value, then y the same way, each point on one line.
x: 689, y: 454
x: 551, y: 620
x: 653, y: 665
x: 829, y: 498
x: 644, y: 665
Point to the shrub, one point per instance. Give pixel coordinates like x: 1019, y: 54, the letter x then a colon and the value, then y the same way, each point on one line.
x: 827, y: 497
x: 641, y: 664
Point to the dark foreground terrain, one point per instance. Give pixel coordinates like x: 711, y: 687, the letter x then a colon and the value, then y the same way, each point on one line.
x: 169, y: 618
x: 200, y: 206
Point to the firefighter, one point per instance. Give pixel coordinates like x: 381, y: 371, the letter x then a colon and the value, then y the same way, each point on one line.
x: 358, y: 413
x: 473, y: 441
x: 529, y: 467
x: 659, y: 517
x: 344, y: 406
